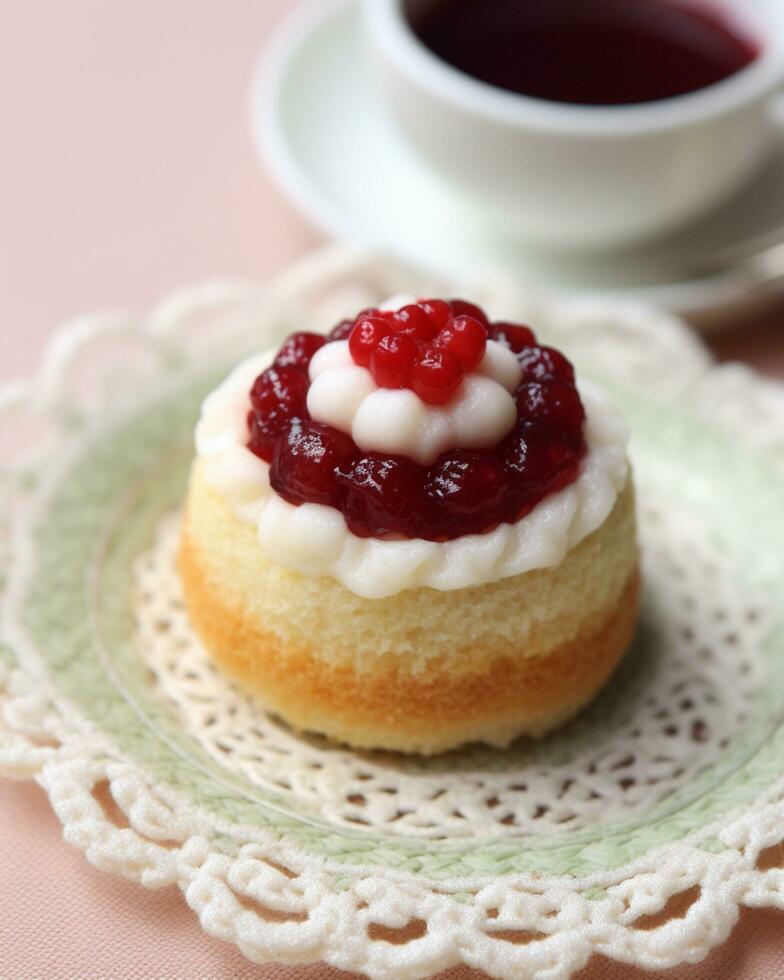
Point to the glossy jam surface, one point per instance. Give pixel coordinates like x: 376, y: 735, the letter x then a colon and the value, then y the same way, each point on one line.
x: 589, y: 52
x: 429, y: 347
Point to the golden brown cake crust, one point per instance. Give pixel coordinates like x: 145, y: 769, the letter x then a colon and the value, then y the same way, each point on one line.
x: 484, y: 697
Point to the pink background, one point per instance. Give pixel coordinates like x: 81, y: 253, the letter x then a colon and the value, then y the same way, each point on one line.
x: 126, y: 170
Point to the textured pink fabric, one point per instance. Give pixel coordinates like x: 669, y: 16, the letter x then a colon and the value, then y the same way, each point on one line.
x: 126, y: 170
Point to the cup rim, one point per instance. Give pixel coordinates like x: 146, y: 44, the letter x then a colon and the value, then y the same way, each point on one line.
x: 387, y: 24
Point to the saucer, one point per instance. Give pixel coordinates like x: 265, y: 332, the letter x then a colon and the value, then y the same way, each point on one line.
x: 318, y: 125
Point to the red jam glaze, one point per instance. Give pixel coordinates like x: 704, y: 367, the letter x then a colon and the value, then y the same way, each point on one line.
x: 398, y: 347
x: 466, y: 338
x: 436, y: 375
x: 427, y: 346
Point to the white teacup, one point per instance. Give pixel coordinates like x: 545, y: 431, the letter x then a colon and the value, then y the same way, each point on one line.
x: 582, y: 176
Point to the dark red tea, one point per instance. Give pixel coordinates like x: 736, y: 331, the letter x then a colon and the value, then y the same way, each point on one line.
x: 589, y: 52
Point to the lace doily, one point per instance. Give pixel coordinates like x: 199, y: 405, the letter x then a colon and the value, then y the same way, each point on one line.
x: 637, y: 832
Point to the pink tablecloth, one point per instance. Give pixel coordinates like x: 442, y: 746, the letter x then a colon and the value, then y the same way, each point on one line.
x: 126, y: 170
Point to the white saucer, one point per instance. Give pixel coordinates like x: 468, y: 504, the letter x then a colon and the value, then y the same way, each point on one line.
x: 319, y: 127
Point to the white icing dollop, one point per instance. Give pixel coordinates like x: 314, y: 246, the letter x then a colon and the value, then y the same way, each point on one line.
x: 397, y: 421
x: 500, y: 364
x: 315, y: 540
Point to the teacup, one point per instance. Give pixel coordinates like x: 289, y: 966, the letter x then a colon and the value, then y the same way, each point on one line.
x: 577, y: 176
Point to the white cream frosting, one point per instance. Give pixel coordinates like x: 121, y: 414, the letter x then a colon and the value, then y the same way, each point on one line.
x: 384, y: 420
x: 315, y: 540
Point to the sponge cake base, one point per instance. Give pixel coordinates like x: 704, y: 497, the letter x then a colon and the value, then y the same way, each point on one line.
x: 422, y: 671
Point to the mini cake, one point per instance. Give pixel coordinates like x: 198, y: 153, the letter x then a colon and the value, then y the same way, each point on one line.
x: 413, y: 533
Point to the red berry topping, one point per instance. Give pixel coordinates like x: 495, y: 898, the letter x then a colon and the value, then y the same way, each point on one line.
x: 515, y: 337
x: 531, y: 456
x: 545, y: 364
x: 374, y: 311
x: 365, y: 337
x: 277, y: 396
x: 436, y: 376
x: 466, y: 338
x: 428, y: 346
x: 392, y: 361
x: 305, y: 461
x: 341, y: 330
x: 461, y: 307
x: 298, y: 349
x: 535, y: 463
x: 263, y: 436
x: 383, y: 495
x: 414, y: 322
x: 280, y: 392
x: 438, y: 311
x: 555, y: 406
x: 466, y: 490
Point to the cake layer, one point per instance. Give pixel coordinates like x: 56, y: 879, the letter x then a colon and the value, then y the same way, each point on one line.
x: 421, y: 670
